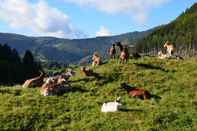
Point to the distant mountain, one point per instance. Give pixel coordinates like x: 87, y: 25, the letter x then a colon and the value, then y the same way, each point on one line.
x: 66, y: 50
x: 182, y: 32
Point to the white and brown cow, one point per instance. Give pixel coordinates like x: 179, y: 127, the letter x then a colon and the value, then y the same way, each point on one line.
x: 36, y: 81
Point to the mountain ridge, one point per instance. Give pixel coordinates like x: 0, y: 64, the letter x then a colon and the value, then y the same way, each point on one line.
x: 66, y: 50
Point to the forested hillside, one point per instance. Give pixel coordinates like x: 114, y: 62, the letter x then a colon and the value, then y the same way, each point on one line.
x: 14, y: 69
x: 181, y: 32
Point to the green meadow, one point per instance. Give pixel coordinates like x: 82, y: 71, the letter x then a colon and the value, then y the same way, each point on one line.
x: 172, y: 82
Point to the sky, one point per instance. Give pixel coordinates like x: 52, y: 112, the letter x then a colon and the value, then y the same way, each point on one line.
x: 75, y: 19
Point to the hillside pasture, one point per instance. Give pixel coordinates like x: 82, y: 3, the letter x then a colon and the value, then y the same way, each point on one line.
x: 173, y: 84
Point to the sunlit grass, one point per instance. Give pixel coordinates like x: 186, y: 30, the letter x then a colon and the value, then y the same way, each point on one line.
x: 174, y: 81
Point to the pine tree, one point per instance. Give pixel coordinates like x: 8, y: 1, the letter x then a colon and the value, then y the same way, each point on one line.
x: 31, y: 67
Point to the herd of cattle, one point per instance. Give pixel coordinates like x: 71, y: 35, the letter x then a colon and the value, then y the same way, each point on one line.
x: 50, y: 85
x: 54, y: 85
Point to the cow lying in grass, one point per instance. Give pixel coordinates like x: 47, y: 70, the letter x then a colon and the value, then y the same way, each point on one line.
x: 62, y: 76
x: 86, y: 71
x: 111, y: 106
x: 136, y: 92
x: 161, y: 55
x: 50, y: 87
x: 165, y: 56
x: 33, y: 82
x: 169, y: 48
x: 96, y: 60
x: 55, y: 85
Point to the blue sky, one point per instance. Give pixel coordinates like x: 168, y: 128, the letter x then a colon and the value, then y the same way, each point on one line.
x: 86, y: 18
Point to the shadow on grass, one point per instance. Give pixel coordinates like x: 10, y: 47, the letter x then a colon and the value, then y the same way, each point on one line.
x: 87, y: 79
x: 101, y: 79
x: 76, y: 89
x: 155, y: 97
x: 108, y: 78
x: 70, y: 89
x: 15, y: 92
x: 5, y: 91
x: 97, y: 76
x: 130, y: 110
x: 149, y: 66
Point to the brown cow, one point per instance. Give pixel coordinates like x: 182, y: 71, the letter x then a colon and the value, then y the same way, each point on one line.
x: 124, y: 55
x: 136, y: 92
x: 53, y: 87
x: 37, y: 81
x: 170, y: 48
x: 96, y: 60
x: 86, y: 71
x: 62, y: 78
x: 48, y: 88
x: 112, y: 51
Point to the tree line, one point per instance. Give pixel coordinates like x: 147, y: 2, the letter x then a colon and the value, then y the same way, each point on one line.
x: 14, y: 69
x: 181, y: 33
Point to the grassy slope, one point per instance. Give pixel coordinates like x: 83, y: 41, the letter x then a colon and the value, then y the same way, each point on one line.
x: 174, y: 81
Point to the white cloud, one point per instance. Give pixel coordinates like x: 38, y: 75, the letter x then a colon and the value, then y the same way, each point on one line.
x: 38, y: 17
x: 103, y: 31
x: 137, y: 8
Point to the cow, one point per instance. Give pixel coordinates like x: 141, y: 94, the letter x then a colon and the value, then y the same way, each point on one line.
x: 136, y: 92
x: 36, y: 81
x: 112, y: 51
